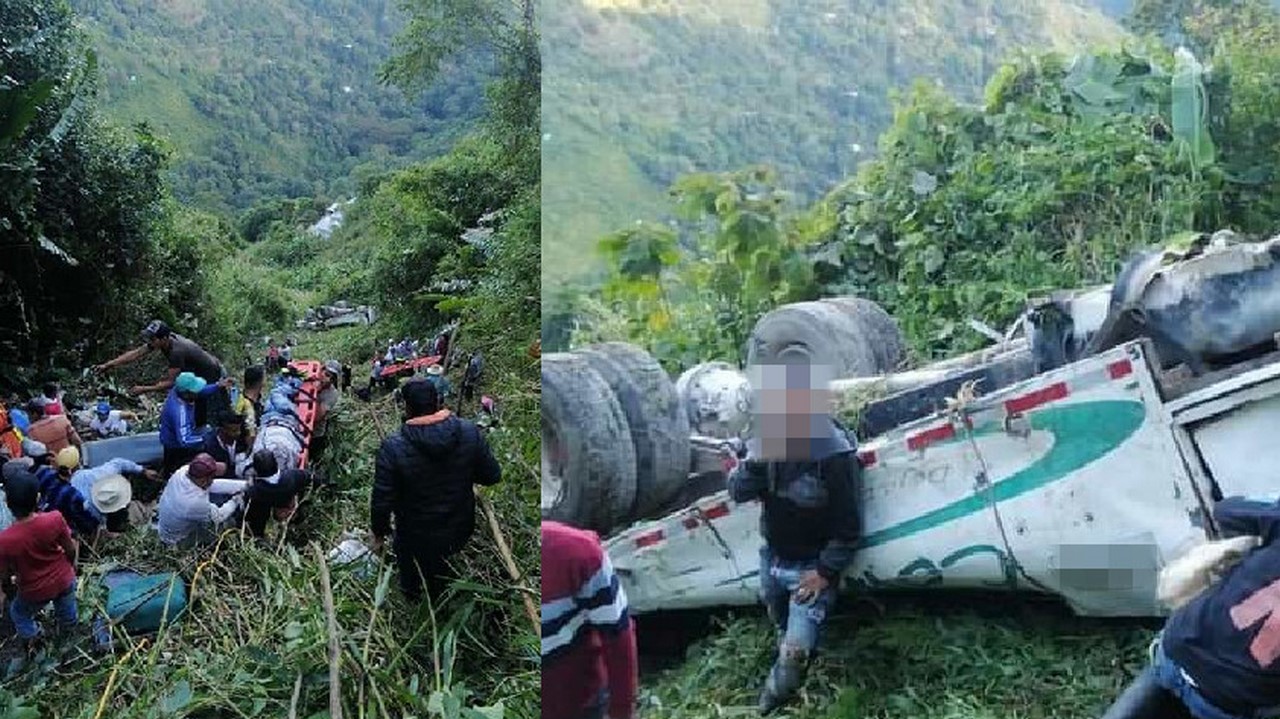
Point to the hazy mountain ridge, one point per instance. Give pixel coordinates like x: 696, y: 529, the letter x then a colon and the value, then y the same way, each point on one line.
x: 267, y: 98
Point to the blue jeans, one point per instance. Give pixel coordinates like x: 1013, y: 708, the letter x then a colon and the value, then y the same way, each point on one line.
x: 24, y: 613
x: 1170, y: 676
x: 799, y: 625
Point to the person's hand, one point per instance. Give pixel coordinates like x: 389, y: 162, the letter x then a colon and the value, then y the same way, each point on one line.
x: 136, y: 390
x: 227, y: 382
x: 376, y: 544
x: 811, y: 585
x: 151, y: 474
x: 99, y: 368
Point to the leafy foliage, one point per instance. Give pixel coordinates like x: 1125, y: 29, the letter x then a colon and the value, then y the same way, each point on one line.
x: 642, y: 93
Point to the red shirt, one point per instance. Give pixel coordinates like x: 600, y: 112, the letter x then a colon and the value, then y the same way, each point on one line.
x: 32, y: 548
x: 588, y: 640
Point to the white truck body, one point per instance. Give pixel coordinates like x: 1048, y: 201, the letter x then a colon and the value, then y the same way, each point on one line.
x: 1080, y: 482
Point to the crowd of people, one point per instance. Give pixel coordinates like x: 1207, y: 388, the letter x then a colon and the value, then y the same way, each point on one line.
x: 233, y: 454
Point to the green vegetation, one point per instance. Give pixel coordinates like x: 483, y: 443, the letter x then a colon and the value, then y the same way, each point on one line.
x: 1024, y: 660
x: 273, y: 98
x: 645, y: 91
x: 255, y: 642
x: 1067, y: 167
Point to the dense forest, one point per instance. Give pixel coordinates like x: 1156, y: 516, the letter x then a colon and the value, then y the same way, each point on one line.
x: 641, y: 93
x: 261, y: 99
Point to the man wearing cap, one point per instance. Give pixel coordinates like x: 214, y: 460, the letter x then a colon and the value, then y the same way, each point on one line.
x: 108, y: 489
x: 187, y: 513
x: 38, y: 549
x: 326, y: 400
x: 180, y: 431
x: 58, y: 494
x: 435, y: 375
x: 182, y: 354
x: 109, y: 422
x: 54, y: 431
x: 35, y: 455
x: 423, y: 477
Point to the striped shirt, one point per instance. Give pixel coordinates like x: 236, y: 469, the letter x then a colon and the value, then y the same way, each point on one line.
x: 63, y: 497
x: 588, y: 643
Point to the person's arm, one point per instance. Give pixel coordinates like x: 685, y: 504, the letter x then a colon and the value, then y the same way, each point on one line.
x: 842, y: 474
x: 122, y: 465
x: 187, y: 434
x: 170, y: 376
x: 605, y: 604
x: 128, y: 357
x: 218, y: 515
x: 382, y: 498
x: 73, y: 437
x: 748, y: 481
x: 128, y: 415
x: 1237, y: 516
x: 486, y: 471
x: 68, y: 543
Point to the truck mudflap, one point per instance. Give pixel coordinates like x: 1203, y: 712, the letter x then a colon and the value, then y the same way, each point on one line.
x: 1068, y: 484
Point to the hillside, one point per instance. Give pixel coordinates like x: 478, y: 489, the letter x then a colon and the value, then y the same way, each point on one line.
x: 270, y: 98
x: 639, y: 92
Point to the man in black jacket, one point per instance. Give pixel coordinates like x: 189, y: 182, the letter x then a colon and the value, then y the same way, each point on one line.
x: 423, y: 478
x: 1218, y: 653
x: 803, y: 468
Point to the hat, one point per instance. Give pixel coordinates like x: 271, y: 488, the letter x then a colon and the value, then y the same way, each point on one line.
x: 205, y: 466
x: 111, y: 493
x: 68, y: 458
x: 32, y: 448
x: 333, y: 367
x: 104, y: 407
x: 21, y: 488
x: 435, y: 369
x: 188, y: 382
x: 156, y: 330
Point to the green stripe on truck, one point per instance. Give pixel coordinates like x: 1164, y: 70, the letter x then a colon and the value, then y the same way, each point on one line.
x: 1082, y: 433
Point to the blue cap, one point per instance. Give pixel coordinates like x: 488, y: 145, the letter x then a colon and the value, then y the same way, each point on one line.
x: 188, y: 382
x: 104, y: 407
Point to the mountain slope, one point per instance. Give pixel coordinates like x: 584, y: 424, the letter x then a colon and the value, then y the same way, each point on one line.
x: 267, y: 98
x: 638, y: 92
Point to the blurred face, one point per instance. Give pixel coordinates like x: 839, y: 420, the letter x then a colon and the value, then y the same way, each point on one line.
x: 792, y: 408
x: 229, y: 432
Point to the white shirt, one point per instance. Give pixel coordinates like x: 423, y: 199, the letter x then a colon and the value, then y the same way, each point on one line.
x: 114, y: 424
x: 185, y: 509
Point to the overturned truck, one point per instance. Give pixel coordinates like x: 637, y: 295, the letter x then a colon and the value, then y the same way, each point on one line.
x: 1104, y: 426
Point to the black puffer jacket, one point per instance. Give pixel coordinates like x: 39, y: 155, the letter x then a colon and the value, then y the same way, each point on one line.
x: 423, y: 477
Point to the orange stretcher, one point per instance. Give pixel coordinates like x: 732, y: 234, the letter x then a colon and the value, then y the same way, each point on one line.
x: 306, y: 402
x: 414, y: 365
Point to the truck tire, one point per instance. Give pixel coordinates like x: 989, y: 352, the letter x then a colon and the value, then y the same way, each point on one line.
x: 588, y: 461
x: 854, y: 340
x: 878, y: 328
x: 655, y: 417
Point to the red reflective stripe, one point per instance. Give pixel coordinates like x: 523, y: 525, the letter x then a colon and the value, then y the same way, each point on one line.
x: 716, y: 512
x: 649, y: 539
x: 1032, y: 400
x: 867, y: 457
x: 1123, y: 368
x: 929, y: 436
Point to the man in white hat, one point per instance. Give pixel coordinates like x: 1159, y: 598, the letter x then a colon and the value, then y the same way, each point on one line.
x: 435, y: 375
x: 86, y: 479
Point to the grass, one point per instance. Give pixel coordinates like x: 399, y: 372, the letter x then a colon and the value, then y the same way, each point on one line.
x: 256, y: 635
x: 911, y: 659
